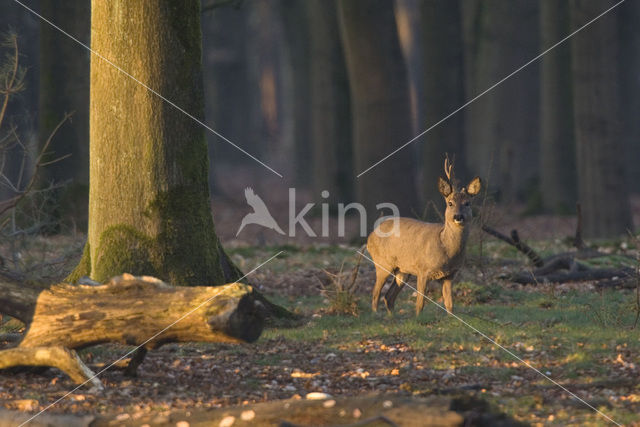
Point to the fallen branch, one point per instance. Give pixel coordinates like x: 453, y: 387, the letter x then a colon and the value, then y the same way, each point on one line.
x: 563, y: 267
x: 55, y: 356
x: 515, y: 241
x: 535, y: 276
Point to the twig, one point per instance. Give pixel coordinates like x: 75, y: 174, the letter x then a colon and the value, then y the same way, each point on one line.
x: 635, y: 322
x: 13, y: 202
x: 354, y: 274
x: 13, y: 84
x: 577, y: 240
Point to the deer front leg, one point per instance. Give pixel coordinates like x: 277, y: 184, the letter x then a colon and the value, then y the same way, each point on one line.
x: 446, y: 295
x: 381, y: 277
x: 421, y: 288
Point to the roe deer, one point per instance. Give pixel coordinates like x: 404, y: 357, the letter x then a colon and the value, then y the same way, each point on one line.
x: 426, y: 250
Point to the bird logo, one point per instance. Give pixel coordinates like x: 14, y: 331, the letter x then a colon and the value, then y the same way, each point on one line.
x: 260, y: 214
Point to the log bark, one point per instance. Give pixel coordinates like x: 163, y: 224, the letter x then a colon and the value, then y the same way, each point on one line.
x: 140, y: 311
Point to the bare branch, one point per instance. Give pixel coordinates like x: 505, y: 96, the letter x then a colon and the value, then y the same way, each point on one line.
x: 12, y: 203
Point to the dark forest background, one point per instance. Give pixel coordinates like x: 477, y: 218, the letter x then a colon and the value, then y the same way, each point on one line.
x: 320, y: 90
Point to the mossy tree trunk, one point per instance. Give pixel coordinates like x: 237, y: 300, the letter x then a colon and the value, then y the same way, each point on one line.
x: 380, y: 106
x: 149, y: 209
x: 600, y: 151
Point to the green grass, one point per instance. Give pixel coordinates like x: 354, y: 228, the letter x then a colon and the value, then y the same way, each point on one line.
x: 575, y: 335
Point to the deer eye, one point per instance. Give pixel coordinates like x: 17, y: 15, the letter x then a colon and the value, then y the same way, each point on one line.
x: 450, y: 203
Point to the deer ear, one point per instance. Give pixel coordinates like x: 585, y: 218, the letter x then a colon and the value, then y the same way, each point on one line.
x: 474, y: 186
x: 444, y: 187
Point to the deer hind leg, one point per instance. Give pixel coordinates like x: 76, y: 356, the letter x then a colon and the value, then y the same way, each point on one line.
x: 421, y: 288
x: 390, y: 296
x: 446, y: 295
x: 381, y: 277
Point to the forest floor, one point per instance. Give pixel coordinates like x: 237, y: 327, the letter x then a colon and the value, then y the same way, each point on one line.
x: 584, y: 338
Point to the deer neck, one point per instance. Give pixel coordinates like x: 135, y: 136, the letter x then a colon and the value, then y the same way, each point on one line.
x: 454, y: 238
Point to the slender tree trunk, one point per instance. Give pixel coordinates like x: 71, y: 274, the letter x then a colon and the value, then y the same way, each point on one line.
x: 443, y: 90
x: 64, y: 87
x: 380, y: 105
x: 149, y: 210
x: 227, y: 97
x: 602, y: 181
x: 557, y: 142
x: 330, y: 107
x: 502, y: 125
x: 263, y: 56
x: 296, y: 34
x: 629, y: 17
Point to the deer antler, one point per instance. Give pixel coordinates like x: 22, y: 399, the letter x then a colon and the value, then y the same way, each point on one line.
x: 448, y: 169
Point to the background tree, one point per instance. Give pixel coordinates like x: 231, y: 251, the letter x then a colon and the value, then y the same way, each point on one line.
x: 295, y: 21
x: 227, y: 94
x: 502, y: 126
x: 602, y: 182
x: 380, y: 105
x: 330, y: 107
x: 149, y: 210
x: 64, y: 88
x: 557, y: 142
x: 629, y: 42
x: 443, y: 90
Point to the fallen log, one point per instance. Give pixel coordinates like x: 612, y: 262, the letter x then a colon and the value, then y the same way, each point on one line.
x: 140, y: 311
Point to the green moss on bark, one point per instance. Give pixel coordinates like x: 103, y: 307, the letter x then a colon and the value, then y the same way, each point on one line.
x: 84, y: 266
x: 189, y: 254
x: 123, y: 249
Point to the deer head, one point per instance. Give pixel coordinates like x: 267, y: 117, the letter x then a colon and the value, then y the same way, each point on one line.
x: 458, y: 211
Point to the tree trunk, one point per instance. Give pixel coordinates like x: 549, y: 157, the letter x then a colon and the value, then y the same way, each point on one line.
x: 149, y: 210
x: 264, y: 70
x: 502, y: 125
x: 227, y: 97
x: 600, y: 152
x: 330, y: 108
x: 128, y: 310
x: 380, y: 106
x: 557, y: 142
x: 629, y: 36
x: 443, y: 90
x: 64, y: 88
x: 296, y: 37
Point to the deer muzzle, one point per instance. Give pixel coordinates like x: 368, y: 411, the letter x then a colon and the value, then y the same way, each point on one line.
x: 459, y: 219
